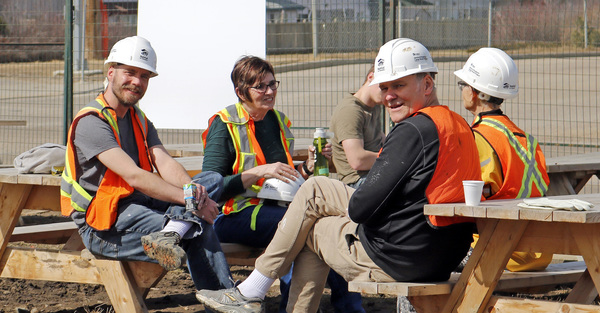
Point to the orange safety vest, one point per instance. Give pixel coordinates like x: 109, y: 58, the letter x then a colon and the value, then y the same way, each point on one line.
x: 523, y: 163
x: 457, y: 160
x: 101, y: 208
x: 248, y: 152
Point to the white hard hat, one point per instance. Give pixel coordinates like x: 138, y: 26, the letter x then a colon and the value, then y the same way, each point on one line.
x: 276, y: 189
x: 134, y: 51
x: 399, y: 58
x: 492, y: 72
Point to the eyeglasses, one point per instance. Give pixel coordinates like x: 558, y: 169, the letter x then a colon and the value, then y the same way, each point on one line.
x: 461, y: 85
x: 262, y: 88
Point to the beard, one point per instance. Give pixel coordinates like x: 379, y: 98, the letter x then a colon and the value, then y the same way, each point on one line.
x: 125, y: 98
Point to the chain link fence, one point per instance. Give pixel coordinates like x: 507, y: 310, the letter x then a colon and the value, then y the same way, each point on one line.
x: 321, y: 51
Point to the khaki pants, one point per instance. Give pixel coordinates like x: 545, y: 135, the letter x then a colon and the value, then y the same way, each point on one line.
x: 316, y: 234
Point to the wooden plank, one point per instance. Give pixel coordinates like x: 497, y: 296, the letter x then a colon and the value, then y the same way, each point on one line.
x: 587, y: 238
x: 576, y: 217
x: 125, y: 296
x: 53, y: 233
x: 575, y: 162
x: 63, y: 266
x: 520, y: 305
x: 548, y: 238
x: 509, y: 209
x: 12, y: 200
x: 44, y: 198
x: 238, y: 254
x: 536, y: 215
x: 433, y: 304
x: 146, y: 274
x: 8, y: 175
x: 471, y: 211
x: 584, y: 291
x: 497, y: 241
x: 441, y: 209
x: 554, y: 274
x: 185, y: 150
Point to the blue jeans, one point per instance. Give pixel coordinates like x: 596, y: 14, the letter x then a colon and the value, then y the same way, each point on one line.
x: 359, y: 182
x: 140, y: 215
x: 235, y: 228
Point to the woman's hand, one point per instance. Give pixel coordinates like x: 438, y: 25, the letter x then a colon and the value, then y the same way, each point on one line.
x: 277, y: 170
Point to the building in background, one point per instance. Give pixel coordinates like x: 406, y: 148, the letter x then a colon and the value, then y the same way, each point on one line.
x: 284, y: 11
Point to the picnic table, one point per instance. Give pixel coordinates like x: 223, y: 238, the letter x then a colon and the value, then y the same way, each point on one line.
x: 569, y: 174
x: 126, y: 282
x: 505, y: 227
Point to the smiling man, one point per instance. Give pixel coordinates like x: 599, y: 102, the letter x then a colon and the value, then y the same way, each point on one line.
x: 109, y: 188
x: 379, y: 231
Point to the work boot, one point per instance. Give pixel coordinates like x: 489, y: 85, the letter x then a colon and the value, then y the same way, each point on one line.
x: 164, y: 248
x: 229, y: 301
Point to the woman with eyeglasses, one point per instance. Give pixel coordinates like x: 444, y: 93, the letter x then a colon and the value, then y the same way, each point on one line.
x: 512, y: 163
x: 249, y: 142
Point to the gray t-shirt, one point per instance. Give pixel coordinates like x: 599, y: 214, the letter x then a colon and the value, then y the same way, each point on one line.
x: 352, y: 119
x: 94, y: 136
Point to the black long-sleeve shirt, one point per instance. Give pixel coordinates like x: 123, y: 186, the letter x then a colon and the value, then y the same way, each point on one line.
x: 389, y: 208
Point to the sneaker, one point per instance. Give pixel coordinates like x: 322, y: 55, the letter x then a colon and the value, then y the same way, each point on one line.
x: 164, y: 248
x: 229, y: 301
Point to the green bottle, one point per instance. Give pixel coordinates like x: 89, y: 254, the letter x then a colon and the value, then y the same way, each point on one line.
x: 321, y: 163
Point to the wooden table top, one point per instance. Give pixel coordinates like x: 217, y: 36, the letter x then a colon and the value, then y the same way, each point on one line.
x: 575, y: 162
x: 11, y: 174
x: 508, y: 209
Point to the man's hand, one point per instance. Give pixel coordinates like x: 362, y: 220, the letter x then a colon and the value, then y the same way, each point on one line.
x: 207, y: 210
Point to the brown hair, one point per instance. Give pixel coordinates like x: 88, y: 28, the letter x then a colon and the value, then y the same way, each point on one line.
x: 247, y: 71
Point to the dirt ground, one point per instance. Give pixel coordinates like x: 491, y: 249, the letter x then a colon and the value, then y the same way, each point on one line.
x: 173, y: 294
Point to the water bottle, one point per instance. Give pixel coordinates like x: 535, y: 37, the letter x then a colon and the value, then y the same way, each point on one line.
x: 321, y: 163
x: 189, y: 195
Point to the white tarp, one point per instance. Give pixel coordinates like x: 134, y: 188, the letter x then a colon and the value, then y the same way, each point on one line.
x: 197, y: 44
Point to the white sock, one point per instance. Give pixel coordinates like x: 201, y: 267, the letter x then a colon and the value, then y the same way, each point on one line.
x: 256, y: 285
x: 180, y: 227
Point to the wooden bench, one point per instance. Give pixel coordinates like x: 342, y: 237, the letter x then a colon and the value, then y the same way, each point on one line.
x: 426, y: 295
x: 59, y: 233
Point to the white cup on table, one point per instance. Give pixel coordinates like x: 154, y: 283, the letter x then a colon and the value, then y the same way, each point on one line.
x: 473, y: 190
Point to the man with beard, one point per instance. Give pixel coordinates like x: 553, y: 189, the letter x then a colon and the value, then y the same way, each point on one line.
x: 123, y: 209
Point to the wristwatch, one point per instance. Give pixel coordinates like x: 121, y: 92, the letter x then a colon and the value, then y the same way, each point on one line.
x: 305, y: 168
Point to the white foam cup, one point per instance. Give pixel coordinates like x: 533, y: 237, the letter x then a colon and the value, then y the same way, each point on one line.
x: 473, y: 190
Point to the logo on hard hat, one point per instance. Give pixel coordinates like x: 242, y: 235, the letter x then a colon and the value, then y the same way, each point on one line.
x: 508, y: 86
x: 473, y: 70
x: 380, y: 65
x: 420, y: 58
x: 144, y: 55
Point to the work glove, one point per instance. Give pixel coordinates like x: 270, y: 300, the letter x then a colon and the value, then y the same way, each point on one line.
x: 555, y: 204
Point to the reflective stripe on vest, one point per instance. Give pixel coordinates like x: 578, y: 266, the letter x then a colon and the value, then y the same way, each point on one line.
x: 249, y: 153
x: 457, y: 160
x: 101, y: 209
x: 525, y: 174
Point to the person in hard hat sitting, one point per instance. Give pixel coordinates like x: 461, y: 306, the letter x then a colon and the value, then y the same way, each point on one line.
x: 357, y: 132
x: 377, y: 232
x: 512, y: 163
x: 250, y: 143
x: 109, y: 189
